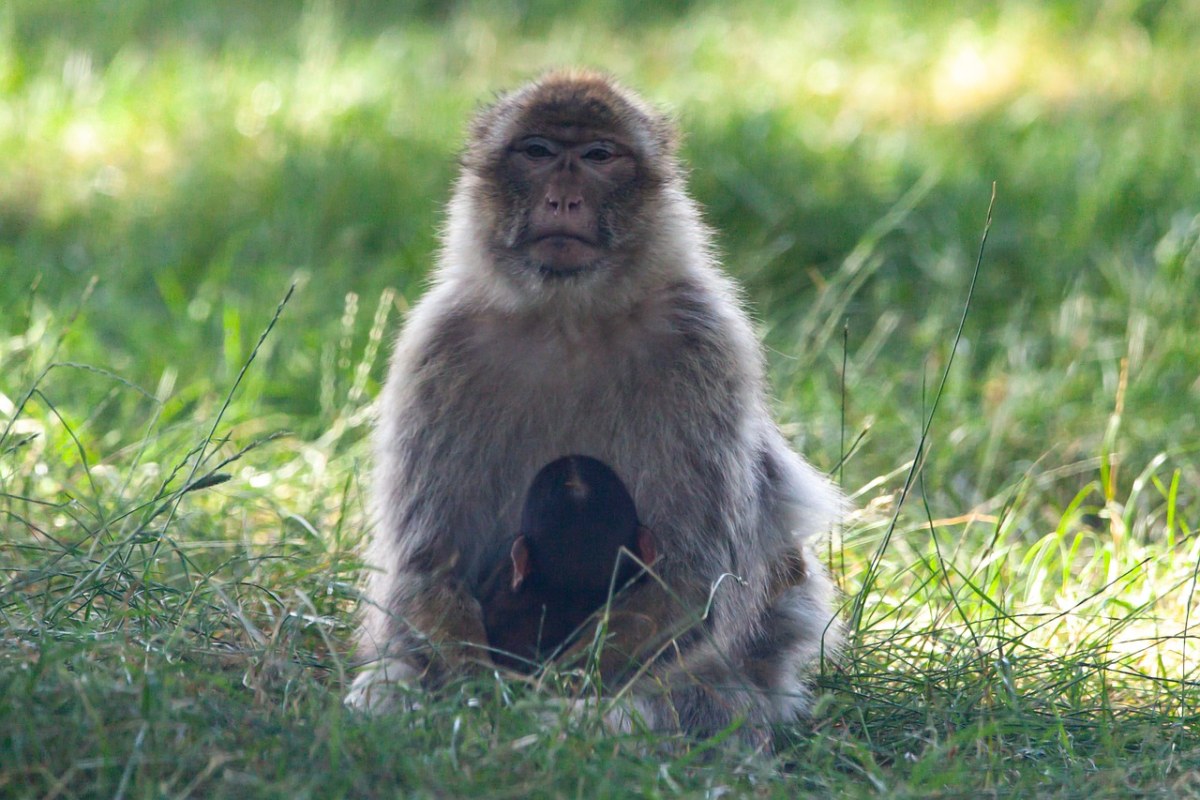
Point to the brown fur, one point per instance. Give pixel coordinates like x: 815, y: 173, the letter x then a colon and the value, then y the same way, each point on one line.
x: 641, y: 357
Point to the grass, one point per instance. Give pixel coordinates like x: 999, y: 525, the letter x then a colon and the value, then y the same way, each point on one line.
x: 181, y: 471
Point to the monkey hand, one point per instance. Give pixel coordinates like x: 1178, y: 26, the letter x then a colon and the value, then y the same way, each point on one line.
x: 630, y: 632
x: 451, y: 620
x: 440, y: 629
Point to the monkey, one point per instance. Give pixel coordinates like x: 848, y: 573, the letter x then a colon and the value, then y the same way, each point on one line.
x: 566, y: 562
x: 578, y: 306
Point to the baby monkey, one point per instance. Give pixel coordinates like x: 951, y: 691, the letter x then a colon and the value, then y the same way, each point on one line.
x: 564, y: 563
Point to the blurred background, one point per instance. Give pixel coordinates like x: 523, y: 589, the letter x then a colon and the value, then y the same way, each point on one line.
x: 182, y: 480
x: 197, y: 158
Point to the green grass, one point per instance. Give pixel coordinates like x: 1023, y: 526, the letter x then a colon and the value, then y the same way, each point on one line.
x: 182, y: 496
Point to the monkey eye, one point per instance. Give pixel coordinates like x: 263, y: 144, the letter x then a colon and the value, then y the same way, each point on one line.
x: 537, y: 148
x: 598, y: 154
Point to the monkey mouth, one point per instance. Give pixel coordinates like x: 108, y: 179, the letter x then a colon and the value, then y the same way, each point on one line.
x: 554, y: 272
x: 561, y: 255
x: 562, y: 239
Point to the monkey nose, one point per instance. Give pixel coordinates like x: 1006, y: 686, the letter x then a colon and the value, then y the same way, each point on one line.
x: 570, y: 205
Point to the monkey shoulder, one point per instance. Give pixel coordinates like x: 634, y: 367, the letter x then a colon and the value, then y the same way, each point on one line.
x: 707, y: 340
x: 431, y: 360
x: 704, y: 314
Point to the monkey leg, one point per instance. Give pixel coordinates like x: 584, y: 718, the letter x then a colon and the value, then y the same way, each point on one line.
x: 698, y: 687
x: 632, y: 631
x: 766, y: 682
x: 698, y: 700
x: 434, y: 632
x: 384, y: 686
x: 450, y: 621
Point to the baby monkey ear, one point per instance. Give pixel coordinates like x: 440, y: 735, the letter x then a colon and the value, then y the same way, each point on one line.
x: 520, y: 562
x: 647, y: 549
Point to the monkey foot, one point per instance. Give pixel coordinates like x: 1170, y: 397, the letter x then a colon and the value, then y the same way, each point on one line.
x: 384, y: 686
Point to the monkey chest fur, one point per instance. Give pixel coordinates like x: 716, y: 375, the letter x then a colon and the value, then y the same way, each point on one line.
x: 660, y: 395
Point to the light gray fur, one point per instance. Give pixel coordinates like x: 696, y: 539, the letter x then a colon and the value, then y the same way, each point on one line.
x: 649, y: 365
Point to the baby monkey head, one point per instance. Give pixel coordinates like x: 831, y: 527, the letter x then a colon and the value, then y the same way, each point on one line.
x: 578, y: 515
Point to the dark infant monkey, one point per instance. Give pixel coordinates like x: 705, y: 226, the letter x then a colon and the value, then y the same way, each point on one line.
x: 577, y: 546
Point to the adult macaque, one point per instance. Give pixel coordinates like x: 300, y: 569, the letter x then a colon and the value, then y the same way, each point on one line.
x: 578, y: 307
x: 579, y: 540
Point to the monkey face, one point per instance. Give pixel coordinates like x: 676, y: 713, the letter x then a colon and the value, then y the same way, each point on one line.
x: 561, y: 173
x: 564, y: 178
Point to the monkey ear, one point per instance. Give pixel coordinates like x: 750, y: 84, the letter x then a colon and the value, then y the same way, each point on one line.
x: 520, y: 562
x: 647, y: 549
